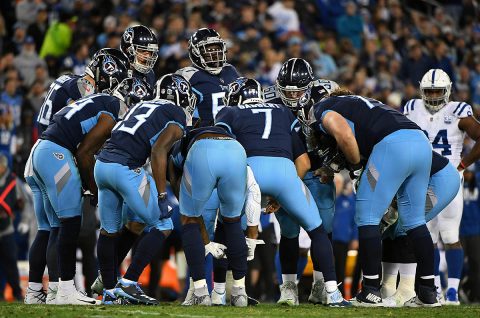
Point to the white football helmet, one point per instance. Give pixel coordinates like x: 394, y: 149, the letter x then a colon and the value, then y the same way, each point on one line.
x: 435, y: 88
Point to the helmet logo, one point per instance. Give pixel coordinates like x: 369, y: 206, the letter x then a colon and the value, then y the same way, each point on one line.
x: 128, y: 35
x: 235, y: 86
x: 181, y: 84
x: 109, y: 66
x: 139, y: 89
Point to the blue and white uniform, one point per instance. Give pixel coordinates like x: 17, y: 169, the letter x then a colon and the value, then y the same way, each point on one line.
x: 53, y: 161
x: 323, y: 193
x: 267, y: 132
x: 210, y: 163
x: 398, y: 153
x: 118, y: 170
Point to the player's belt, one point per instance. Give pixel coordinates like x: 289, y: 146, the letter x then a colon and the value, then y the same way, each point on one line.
x: 218, y: 138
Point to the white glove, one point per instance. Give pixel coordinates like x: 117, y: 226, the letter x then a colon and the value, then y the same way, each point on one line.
x: 216, y: 249
x: 23, y: 228
x: 252, y: 244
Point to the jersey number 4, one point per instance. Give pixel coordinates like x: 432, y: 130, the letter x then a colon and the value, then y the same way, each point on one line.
x: 441, y: 142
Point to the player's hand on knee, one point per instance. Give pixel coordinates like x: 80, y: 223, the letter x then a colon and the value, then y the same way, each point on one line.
x: 216, y: 249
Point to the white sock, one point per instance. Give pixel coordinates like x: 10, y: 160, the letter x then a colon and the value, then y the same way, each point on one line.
x: 200, y: 284
x: 438, y: 283
x: 219, y: 287
x: 289, y: 278
x: 190, y: 285
x: 331, y: 286
x: 389, y: 283
x: 317, y: 276
x: 239, y: 282
x: 35, y: 286
x: 407, y: 278
x: 453, y: 283
x: 53, y: 285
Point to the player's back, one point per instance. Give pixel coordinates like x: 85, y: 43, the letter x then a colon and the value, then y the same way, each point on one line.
x: 210, y: 90
x: 441, y: 127
x: 70, y: 125
x: 262, y: 129
x: 369, y: 119
x: 63, y: 91
x: 132, y: 139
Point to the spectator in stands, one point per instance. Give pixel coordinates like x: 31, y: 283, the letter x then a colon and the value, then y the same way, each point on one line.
x: 8, y: 247
x: 76, y: 62
x: 284, y: 15
x: 350, y: 25
x: 442, y: 61
x: 58, y: 37
x: 415, y: 65
x: 27, y: 61
x: 38, y: 29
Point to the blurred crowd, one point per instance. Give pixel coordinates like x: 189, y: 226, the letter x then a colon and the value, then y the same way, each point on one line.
x: 376, y: 48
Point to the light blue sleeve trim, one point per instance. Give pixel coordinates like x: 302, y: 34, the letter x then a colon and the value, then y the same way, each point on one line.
x: 295, y: 122
x: 108, y: 113
x: 154, y: 138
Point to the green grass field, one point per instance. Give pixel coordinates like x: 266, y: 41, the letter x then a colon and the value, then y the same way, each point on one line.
x: 174, y: 310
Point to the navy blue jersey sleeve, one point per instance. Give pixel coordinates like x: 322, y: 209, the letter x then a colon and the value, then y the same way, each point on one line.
x: 298, y: 147
x: 114, y: 109
x: 175, y: 116
x: 225, y: 119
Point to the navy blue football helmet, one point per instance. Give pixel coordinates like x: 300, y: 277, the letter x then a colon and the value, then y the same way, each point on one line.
x: 107, y: 71
x: 140, y: 45
x: 176, y: 88
x: 207, y: 50
x: 294, y: 81
x: 133, y: 90
x: 244, y: 91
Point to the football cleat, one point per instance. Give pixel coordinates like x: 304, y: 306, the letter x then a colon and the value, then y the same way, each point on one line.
x: 97, y: 286
x: 74, y: 297
x: 451, y: 297
x: 318, y: 294
x: 219, y: 299
x: 109, y: 298
x: 398, y: 299
x: 132, y: 292
x: 368, y: 297
x: 426, y: 297
x: 201, y: 297
x: 35, y: 297
x: 288, y: 294
x: 239, y: 297
x: 51, y: 295
x: 335, y: 299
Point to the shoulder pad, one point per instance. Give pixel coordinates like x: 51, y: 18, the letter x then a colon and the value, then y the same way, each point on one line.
x: 410, y: 105
x: 187, y: 72
x: 460, y: 109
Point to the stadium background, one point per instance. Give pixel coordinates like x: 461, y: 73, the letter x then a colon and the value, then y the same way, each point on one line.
x: 375, y: 48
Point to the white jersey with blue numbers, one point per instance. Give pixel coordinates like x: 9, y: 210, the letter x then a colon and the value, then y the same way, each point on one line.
x: 441, y: 127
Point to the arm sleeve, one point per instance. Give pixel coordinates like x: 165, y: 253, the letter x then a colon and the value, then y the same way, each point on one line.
x: 463, y: 110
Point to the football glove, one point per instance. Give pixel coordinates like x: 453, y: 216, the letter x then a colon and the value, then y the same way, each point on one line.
x: 252, y: 244
x: 166, y: 210
x: 216, y: 249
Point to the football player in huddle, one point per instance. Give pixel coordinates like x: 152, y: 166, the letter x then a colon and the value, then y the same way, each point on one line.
x: 446, y: 123
x: 209, y: 77
x: 102, y: 75
x: 63, y: 160
x: 148, y: 131
x: 140, y: 46
x: 278, y: 159
x: 294, y: 88
x: 366, y: 128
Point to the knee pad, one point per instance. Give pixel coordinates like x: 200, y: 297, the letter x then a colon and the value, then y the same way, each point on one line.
x: 135, y: 227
